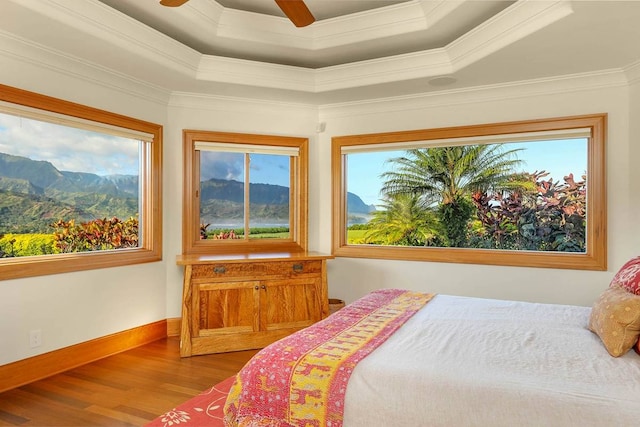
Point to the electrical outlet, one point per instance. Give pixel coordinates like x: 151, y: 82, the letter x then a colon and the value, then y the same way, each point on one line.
x: 35, y: 338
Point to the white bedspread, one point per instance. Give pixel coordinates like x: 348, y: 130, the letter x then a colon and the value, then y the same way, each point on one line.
x: 480, y: 362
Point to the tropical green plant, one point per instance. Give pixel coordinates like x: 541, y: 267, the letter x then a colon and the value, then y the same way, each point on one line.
x: 446, y: 178
x: 403, y: 220
x: 551, y: 217
x: 562, y: 213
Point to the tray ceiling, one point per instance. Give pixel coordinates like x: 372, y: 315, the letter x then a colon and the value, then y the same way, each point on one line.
x: 356, y: 49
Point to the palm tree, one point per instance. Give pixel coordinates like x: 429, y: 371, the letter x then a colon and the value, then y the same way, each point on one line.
x: 447, y: 176
x: 403, y: 220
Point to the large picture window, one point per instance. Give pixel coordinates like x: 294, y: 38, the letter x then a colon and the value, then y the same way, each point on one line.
x: 244, y: 193
x: 79, y: 187
x: 526, y: 193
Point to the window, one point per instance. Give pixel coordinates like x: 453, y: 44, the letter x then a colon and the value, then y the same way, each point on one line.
x: 79, y: 187
x: 244, y: 193
x: 528, y: 193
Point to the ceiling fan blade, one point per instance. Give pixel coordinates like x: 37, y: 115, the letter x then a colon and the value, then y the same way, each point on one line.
x: 173, y: 3
x: 297, y: 12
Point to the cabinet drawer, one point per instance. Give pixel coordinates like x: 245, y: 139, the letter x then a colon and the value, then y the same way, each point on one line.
x: 246, y: 269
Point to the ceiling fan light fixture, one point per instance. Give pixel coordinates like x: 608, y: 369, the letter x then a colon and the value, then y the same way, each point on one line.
x: 297, y: 12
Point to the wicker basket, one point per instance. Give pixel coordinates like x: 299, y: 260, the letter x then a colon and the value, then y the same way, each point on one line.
x: 335, y: 305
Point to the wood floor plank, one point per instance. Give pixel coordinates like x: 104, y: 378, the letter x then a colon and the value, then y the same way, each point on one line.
x: 180, y: 389
x: 12, y: 419
x: 127, y: 389
x: 44, y: 391
x: 135, y: 411
x: 117, y: 415
x: 41, y: 411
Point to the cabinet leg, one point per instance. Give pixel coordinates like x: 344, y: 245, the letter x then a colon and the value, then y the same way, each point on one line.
x: 185, y: 329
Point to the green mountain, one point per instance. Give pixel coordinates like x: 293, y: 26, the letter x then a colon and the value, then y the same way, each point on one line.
x: 33, y: 194
x: 355, y: 205
x: 30, y: 213
x: 222, y: 202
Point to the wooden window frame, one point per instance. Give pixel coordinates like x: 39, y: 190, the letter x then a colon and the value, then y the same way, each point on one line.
x: 191, y: 242
x: 150, y: 196
x: 595, y: 257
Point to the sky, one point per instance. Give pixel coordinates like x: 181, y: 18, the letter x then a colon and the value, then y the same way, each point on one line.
x: 265, y: 168
x: 77, y: 150
x: 68, y: 149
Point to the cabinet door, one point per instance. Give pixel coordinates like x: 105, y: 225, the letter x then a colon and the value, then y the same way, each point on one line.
x: 227, y: 307
x: 290, y: 304
x: 224, y: 313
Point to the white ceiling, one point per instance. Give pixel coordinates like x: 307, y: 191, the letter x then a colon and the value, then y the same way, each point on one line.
x: 345, y: 31
x: 356, y: 49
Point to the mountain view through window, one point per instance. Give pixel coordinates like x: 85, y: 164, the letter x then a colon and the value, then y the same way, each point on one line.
x: 65, y: 189
x: 228, y: 206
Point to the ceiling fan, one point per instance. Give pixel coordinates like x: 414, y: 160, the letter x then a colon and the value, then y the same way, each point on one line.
x: 296, y: 10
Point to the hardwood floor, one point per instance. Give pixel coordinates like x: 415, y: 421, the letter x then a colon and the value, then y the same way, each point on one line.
x: 128, y: 389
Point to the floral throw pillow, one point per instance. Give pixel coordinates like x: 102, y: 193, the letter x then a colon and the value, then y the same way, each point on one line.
x: 629, y: 276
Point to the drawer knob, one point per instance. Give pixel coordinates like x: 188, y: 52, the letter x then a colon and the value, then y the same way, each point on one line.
x: 263, y: 287
x: 297, y: 268
x: 219, y: 270
x: 256, y: 288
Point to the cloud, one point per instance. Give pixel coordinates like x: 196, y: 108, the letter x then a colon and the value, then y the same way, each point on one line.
x: 68, y: 149
x: 264, y: 168
x: 221, y: 165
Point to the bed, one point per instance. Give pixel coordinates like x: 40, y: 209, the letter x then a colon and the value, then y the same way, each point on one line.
x: 401, y: 358
x: 455, y: 361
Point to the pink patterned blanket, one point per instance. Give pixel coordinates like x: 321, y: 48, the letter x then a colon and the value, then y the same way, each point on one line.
x: 301, y: 380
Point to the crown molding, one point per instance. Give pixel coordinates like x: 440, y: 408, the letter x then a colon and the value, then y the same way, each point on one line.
x: 519, y: 20
x: 376, y: 24
x: 632, y: 71
x: 255, y: 73
x: 254, y: 28
x: 34, y: 54
x: 211, y: 102
x: 95, y: 19
x: 558, y: 85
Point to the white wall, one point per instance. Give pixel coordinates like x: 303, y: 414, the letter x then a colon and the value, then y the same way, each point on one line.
x: 352, y: 278
x: 77, y: 307
x: 634, y: 156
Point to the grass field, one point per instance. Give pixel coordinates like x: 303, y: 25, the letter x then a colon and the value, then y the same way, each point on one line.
x: 355, y: 236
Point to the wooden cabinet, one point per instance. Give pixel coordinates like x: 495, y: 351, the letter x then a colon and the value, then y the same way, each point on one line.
x: 241, y: 302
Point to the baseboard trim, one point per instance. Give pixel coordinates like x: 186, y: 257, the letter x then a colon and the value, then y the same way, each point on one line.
x: 35, y: 368
x: 173, y: 326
